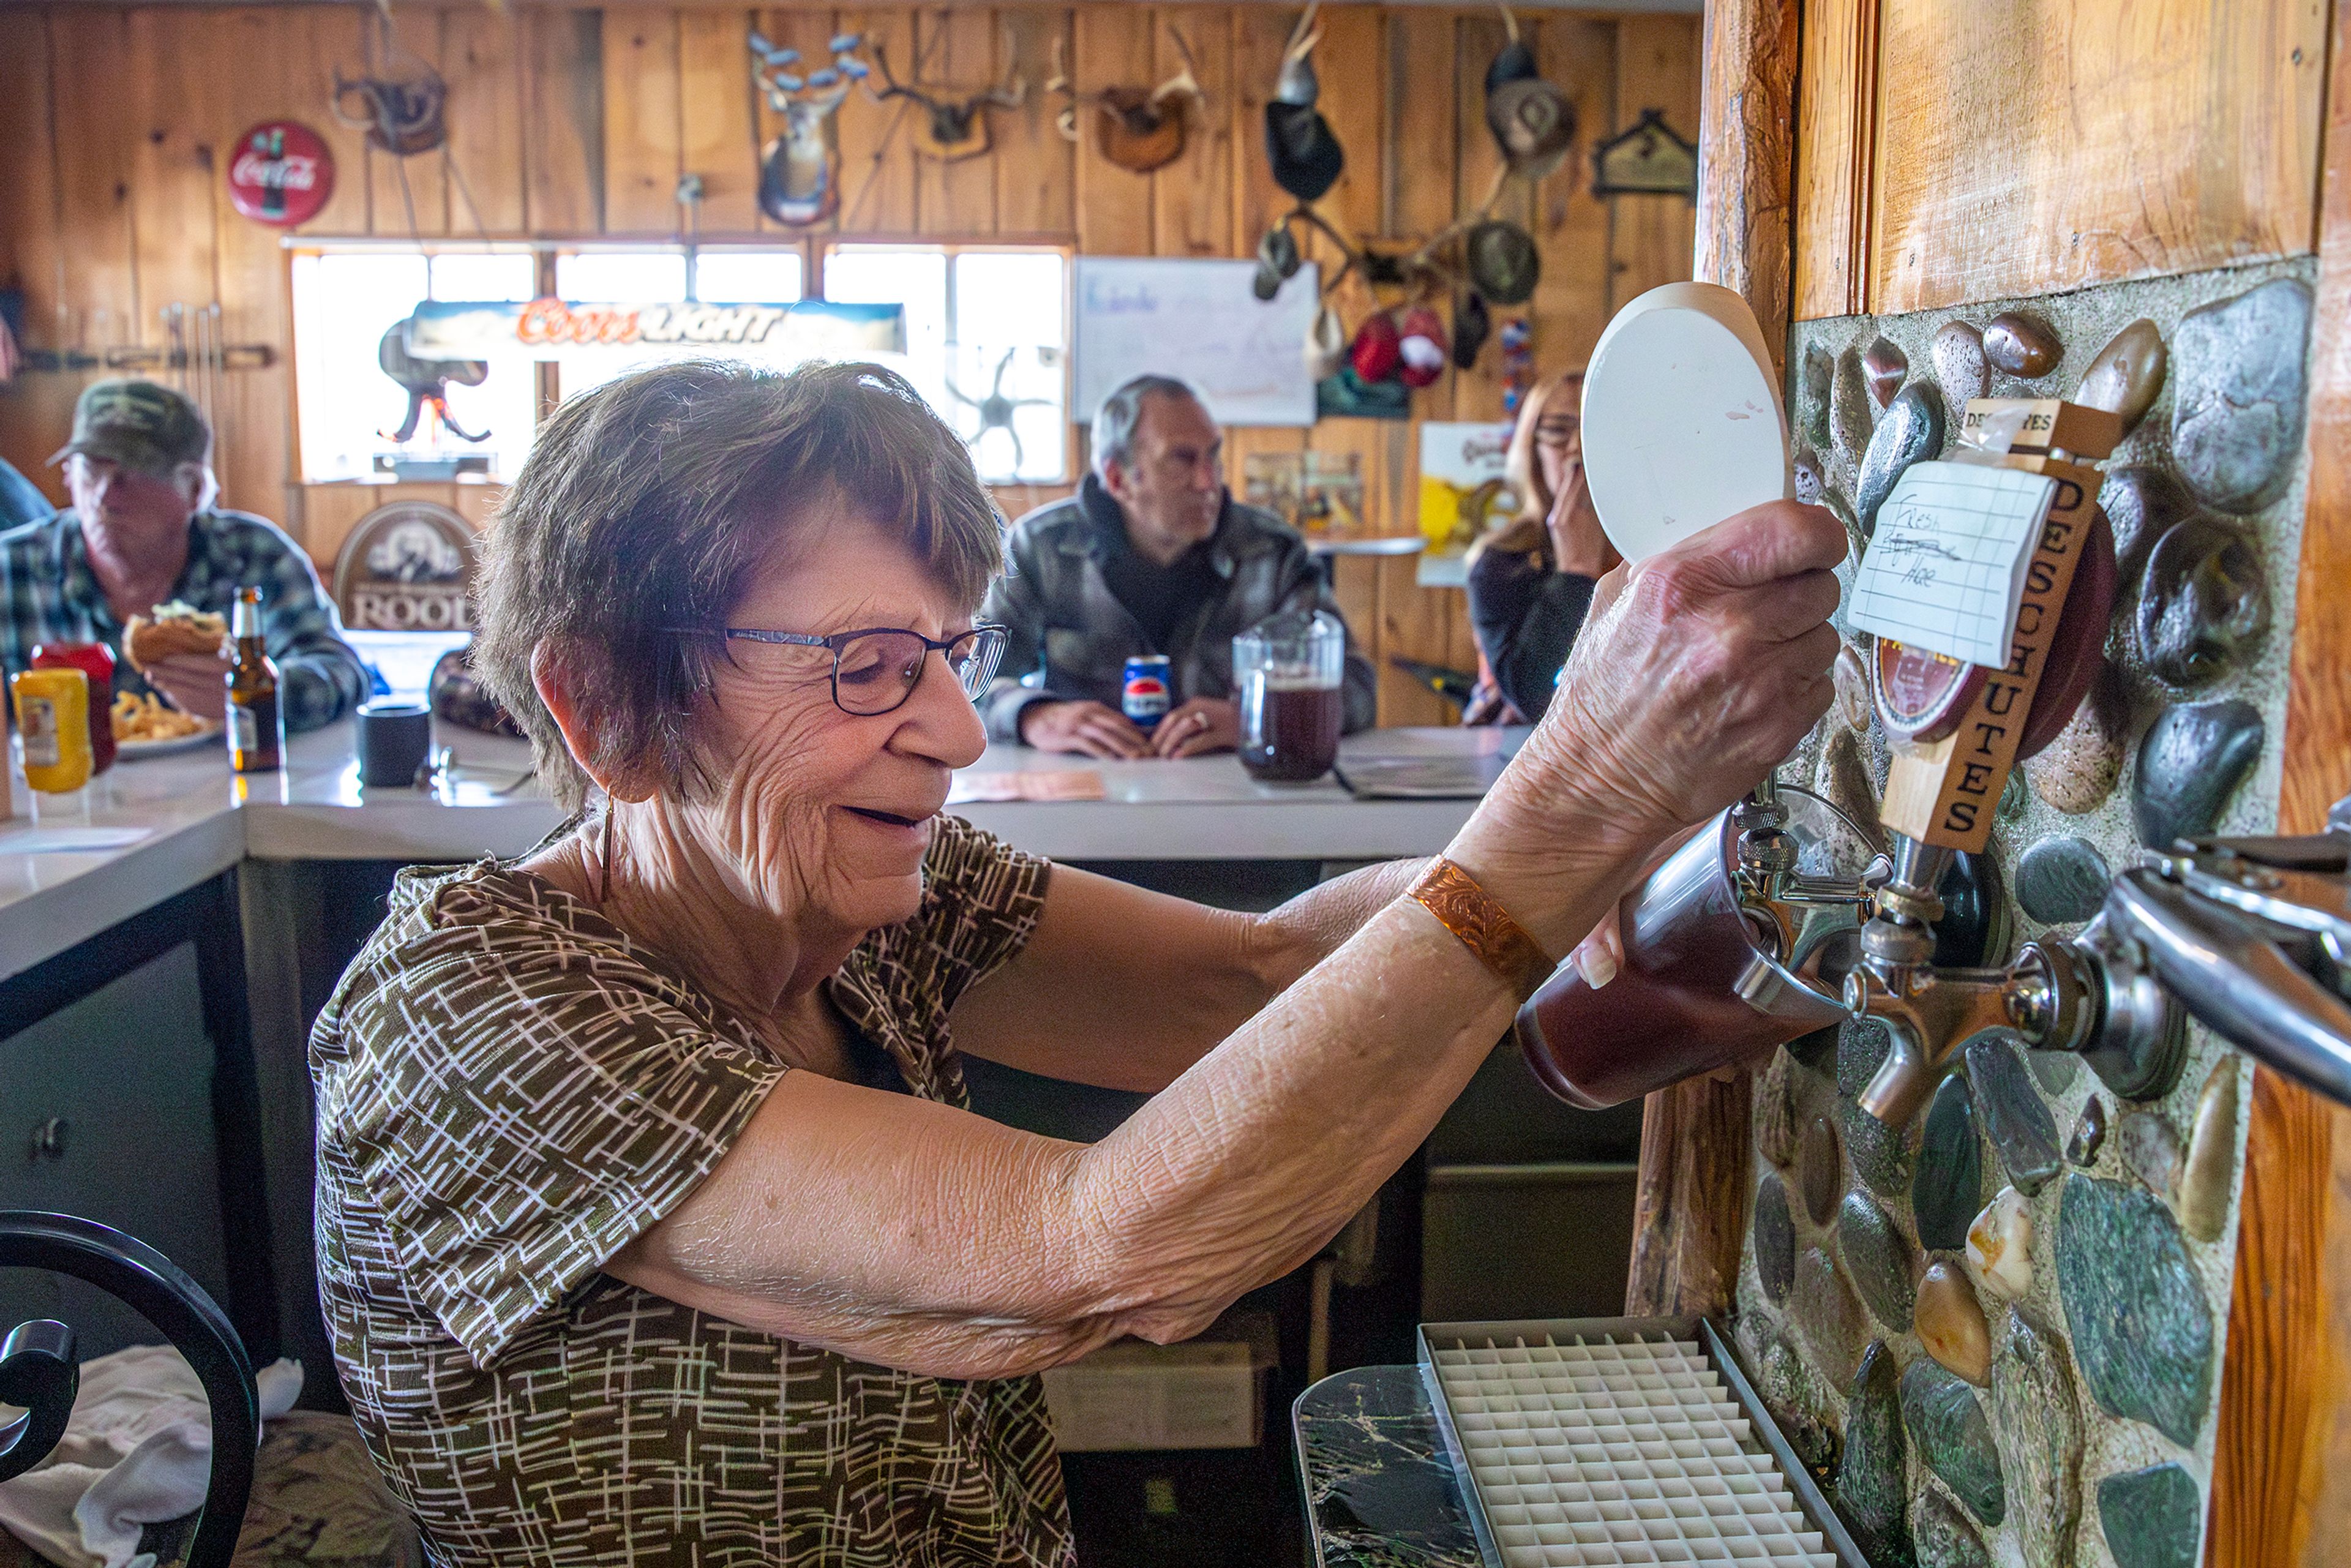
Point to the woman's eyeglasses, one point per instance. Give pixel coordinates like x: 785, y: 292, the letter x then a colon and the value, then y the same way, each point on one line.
x: 875, y: 671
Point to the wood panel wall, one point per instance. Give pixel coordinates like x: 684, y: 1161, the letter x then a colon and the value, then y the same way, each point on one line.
x: 1951, y: 151
x: 576, y: 123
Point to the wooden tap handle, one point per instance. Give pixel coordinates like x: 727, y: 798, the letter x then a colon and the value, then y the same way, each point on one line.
x: 1942, y: 792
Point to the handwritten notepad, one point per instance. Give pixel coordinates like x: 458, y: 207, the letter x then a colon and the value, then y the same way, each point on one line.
x: 1945, y: 570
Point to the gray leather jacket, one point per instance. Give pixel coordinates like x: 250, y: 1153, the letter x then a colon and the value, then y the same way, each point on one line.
x: 1071, y: 637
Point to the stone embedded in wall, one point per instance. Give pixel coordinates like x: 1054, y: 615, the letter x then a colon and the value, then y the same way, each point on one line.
x: 1819, y: 372
x: 2236, y: 423
x: 2210, y: 1174
x: 1886, y: 366
x: 2192, y: 761
x: 2037, y: 1418
x: 1851, y: 418
x: 1776, y: 1132
x: 1947, y: 1424
x: 2142, y: 1330
x: 2089, y: 1134
x: 1950, y: 1323
x: 1879, y: 1259
x: 1809, y: 482
x: 2077, y: 772
x: 1842, y: 777
x: 2013, y: 798
x: 2141, y: 500
x: 2000, y: 1245
x: 2062, y: 880
x: 2153, y: 1518
x: 2014, y: 1114
x: 1870, y: 1490
x: 1960, y: 368
x: 1781, y: 1380
x: 2151, y: 1151
x: 1880, y: 1154
x: 2126, y: 376
x: 2204, y: 606
x: 1950, y: 1182
x: 1942, y: 1535
x: 1911, y: 431
x: 1827, y: 1317
x: 1851, y: 676
x: 2021, y: 345
x: 1775, y: 1239
x: 1820, y: 1171
x: 1974, y: 926
x: 2055, y: 1070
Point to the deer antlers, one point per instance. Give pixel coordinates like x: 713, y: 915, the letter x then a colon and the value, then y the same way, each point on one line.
x: 956, y: 127
x: 1141, y: 113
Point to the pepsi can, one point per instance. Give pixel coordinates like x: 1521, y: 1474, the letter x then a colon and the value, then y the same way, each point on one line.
x: 1149, y: 690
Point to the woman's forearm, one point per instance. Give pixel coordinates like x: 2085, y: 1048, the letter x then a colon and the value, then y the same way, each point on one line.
x: 1252, y: 1161
x: 1286, y: 942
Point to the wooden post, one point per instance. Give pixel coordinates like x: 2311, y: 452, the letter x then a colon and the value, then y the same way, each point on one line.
x: 1691, y: 1208
x: 2282, y: 1455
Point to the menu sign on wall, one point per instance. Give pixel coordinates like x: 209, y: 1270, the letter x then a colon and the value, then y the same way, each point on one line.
x: 549, y: 329
x: 407, y: 567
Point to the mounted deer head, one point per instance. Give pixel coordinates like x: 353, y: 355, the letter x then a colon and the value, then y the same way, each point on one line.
x: 796, y: 183
x: 953, y: 128
x: 1135, y: 128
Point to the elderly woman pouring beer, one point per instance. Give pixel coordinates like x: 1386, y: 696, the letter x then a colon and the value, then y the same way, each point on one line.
x: 653, y: 1223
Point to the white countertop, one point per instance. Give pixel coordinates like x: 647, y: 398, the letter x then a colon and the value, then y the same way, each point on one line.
x: 195, y: 820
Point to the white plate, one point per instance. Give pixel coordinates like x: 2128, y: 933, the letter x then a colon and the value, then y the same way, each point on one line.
x: 133, y: 750
x: 1682, y: 422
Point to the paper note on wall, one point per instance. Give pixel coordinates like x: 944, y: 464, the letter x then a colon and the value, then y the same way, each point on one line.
x: 1945, y: 570
x: 1197, y: 319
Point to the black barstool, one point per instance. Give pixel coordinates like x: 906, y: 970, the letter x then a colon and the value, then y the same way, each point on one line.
x: 39, y: 1372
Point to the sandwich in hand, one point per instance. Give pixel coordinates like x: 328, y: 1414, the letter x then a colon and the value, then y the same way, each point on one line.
x: 174, y: 629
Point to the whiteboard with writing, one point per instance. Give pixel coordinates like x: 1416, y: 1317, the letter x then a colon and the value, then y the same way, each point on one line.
x: 1197, y: 319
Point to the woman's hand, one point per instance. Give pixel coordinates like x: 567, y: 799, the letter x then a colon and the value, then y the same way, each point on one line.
x: 1578, y: 543
x: 1698, y: 671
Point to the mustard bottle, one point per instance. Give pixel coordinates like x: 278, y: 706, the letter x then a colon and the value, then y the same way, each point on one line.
x: 52, y: 717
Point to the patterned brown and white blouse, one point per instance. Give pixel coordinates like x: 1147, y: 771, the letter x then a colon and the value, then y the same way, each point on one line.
x: 509, y: 1091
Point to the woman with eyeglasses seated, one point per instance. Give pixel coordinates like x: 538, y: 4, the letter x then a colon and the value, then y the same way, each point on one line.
x: 1531, y: 580
x: 653, y: 1226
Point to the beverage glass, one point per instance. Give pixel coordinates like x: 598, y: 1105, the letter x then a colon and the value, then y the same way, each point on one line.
x: 1289, y: 674
x: 1708, y: 979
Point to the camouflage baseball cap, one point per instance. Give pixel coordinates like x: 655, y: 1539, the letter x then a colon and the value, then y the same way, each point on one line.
x: 141, y: 424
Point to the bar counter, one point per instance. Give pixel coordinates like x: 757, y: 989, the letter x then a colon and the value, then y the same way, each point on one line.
x: 197, y: 821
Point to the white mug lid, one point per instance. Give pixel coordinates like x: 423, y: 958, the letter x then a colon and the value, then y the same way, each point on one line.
x: 1683, y: 425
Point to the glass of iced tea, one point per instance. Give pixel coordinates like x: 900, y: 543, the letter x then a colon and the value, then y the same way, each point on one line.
x: 1289, y: 674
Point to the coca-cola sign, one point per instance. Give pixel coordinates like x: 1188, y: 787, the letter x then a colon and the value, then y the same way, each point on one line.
x: 282, y: 173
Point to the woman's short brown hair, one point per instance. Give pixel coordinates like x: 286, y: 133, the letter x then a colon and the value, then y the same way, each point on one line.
x: 649, y: 505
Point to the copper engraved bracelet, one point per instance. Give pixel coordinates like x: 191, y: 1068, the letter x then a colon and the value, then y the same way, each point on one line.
x: 1483, y: 925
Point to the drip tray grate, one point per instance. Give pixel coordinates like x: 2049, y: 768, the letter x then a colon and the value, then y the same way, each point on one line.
x: 1616, y: 1440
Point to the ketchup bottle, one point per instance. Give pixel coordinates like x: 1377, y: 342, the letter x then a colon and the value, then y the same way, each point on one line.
x: 95, y: 660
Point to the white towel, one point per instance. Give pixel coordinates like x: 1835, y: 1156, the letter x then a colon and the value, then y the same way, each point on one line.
x: 136, y: 1451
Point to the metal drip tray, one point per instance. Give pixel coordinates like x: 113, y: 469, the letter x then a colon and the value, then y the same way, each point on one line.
x: 1614, y: 1440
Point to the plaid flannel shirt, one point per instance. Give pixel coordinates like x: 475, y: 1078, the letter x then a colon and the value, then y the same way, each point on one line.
x: 51, y: 595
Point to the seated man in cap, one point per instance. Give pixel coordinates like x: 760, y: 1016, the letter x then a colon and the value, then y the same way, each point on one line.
x: 142, y: 531
x: 1151, y: 556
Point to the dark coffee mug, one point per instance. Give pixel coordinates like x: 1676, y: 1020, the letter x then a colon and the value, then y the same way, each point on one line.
x: 393, y: 740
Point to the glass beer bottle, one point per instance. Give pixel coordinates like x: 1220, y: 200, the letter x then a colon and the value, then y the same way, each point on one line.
x: 256, y: 723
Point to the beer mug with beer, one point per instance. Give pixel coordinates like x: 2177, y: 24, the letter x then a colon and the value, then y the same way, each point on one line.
x: 1288, y: 673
